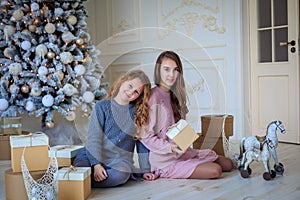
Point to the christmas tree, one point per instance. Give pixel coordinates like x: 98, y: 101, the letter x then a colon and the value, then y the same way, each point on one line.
x: 47, y: 60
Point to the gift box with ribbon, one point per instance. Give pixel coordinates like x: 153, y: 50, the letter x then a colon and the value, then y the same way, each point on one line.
x: 74, y: 183
x: 64, y: 153
x: 4, y: 147
x: 35, y: 148
x: 182, y: 134
x: 11, y: 125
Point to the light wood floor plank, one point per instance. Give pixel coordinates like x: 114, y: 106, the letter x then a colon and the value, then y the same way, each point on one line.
x: 230, y: 187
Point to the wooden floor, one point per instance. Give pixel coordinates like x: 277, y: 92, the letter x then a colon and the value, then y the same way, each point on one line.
x: 231, y: 186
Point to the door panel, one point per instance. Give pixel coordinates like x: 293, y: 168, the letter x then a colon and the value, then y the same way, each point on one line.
x: 274, y: 66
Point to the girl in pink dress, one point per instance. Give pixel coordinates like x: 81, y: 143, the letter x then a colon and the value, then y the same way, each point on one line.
x: 167, y: 106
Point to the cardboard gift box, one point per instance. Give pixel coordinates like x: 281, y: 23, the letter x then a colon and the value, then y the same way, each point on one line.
x: 14, y: 184
x: 211, y: 136
x: 64, y: 153
x: 4, y: 147
x: 182, y: 134
x: 35, y: 152
x: 74, y: 183
x: 11, y: 125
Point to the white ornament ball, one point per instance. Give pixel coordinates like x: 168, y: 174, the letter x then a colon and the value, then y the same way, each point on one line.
x: 60, y: 75
x: 15, y: 68
x: 25, y: 45
x: 18, y: 14
x: 58, y: 11
x: 50, y: 54
x: 41, y: 50
x: 9, y: 52
x: 79, y: 41
x: 43, y: 71
x: 79, y: 70
x: 29, y: 106
x: 50, y: 124
x: 3, y: 104
x: 48, y: 100
x: 32, y: 28
x: 25, y: 88
x: 36, y: 91
x: 67, y: 37
x: 66, y: 57
x: 71, y: 116
x: 8, y: 30
x: 68, y: 89
x: 50, y: 28
x: 34, y: 6
x: 72, y: 20
x: 88, y: 97
x: 14, y: 89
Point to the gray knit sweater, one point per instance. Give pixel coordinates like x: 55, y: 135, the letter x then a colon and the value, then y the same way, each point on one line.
x: 111, y: 136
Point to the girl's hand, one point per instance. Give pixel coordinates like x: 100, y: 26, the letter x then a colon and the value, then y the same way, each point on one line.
x: 177, y: 150
x: 100, y: 173
x: 149, y: 176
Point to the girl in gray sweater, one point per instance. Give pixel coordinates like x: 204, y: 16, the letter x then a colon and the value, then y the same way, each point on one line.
x: 113, y: 133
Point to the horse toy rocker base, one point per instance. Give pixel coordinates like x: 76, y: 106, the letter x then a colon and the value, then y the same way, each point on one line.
x: 259, y: 149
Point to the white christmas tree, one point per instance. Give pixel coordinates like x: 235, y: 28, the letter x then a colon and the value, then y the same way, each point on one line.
x: 47, y: 60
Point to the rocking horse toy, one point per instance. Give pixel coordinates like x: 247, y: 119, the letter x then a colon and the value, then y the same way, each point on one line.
x: 259, y: 149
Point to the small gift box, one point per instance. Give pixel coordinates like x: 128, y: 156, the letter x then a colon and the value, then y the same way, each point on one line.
x: 74, y: 183
x: 14, y: 184
x: 11, y: 125
x: 35, y: 147
x: 216, y: 130
x: 64, y: 153
x: 182, y: 134
x: 4, y: 147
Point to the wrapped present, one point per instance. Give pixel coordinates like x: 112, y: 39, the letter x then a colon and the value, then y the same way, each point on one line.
x: 182, y: 134
x: 64, y: 153
x: 215, y: 133
x: 14, y: 184
x: 35, y: 147
x: 11, y: 125
x: 74, y: 183
x: 4, y: 147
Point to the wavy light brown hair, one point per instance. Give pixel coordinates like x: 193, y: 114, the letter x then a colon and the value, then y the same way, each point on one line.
x: 177, y: 91
x: 141, y: 103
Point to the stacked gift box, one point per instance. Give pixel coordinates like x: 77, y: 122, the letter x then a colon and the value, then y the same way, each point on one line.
x: 9, y: 126
x: 215, y: 131
x: 36, y: 151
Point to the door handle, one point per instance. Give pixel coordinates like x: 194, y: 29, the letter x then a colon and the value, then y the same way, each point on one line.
x: 292, y: 43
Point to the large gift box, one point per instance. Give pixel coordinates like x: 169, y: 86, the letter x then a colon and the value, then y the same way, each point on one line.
x: 182, y: 134
x: 14, y: 184
x: 74, y: 183
x: 11, y: 125
x: 35, y: 147
x: 64, y: 153
x: 4, y: 147
x: 215, y: 133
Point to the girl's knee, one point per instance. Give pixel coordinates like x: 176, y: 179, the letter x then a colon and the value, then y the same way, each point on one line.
x: 217, y: 171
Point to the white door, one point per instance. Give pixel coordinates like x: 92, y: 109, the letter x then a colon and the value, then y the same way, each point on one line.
x: 274, y: 57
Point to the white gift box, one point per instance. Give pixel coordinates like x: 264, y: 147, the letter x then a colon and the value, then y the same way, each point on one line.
x: 32, y: 139
x: 35, y: 148
x: 74, y: 173
x: 182, y: 134
x: 64, y: 153
x: 74, y: 183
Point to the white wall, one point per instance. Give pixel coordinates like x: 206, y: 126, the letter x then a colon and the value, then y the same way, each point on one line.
x: 207, y: 34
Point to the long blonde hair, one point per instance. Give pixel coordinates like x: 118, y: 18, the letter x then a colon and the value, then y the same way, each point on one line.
x: 141, y: 103
x: 177, y: 91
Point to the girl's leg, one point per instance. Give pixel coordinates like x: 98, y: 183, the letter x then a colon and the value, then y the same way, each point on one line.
x: 225, y: 163
x: 207, y: 170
